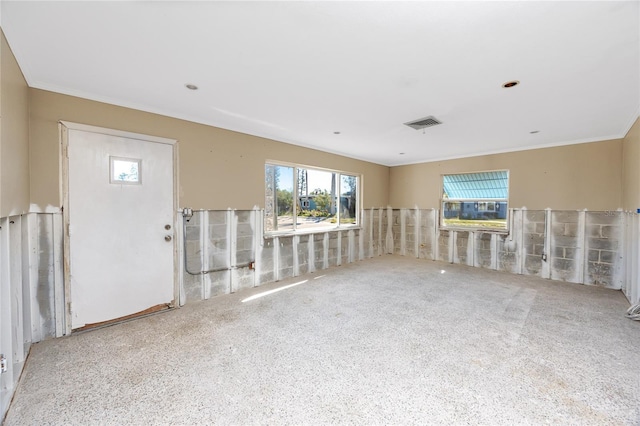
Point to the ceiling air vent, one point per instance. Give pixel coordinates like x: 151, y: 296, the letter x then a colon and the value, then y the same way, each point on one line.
x: 423, y: 122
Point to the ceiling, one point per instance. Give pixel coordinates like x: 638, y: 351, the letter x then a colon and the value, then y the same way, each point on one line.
x: 299, y: 72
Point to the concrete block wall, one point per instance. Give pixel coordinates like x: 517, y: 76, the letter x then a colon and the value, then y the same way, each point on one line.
x: 31, y: 290
x: 483, y: 243
x: 596, y: 248
x: 444, y: 240
x: 574, y: 246
x: 631, y: 237
x: 605, y: 247
x: 220, y: 245
x: 566, y: 248
x: 534, y: 232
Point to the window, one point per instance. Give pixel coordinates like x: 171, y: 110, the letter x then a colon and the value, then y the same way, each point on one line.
x: 125, y: 170
x: 475, y: 200
x: 300, y: 198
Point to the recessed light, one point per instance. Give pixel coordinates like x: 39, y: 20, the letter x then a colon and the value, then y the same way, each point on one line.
x: 191, y: 86
x: 336, y: 133
x: 509, y: 84
x: 533, y: 132
x: 401, y: 153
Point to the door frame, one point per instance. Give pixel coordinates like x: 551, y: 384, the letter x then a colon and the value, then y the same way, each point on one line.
x: 64, y: 127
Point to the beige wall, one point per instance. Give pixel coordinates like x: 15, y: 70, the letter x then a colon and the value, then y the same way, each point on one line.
x: 219, y: 169
x: 14, y: 135
x: 631, y: 168
x: 568, y: 177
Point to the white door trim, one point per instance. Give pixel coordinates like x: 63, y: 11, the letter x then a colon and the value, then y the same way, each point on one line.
x: 64, y: 127
x: 120, y: 133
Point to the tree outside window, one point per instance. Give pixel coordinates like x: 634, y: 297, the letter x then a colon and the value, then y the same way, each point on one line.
x: 302, y: 198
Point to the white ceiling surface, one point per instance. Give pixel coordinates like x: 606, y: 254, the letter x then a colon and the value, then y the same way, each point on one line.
x: 299, y: 71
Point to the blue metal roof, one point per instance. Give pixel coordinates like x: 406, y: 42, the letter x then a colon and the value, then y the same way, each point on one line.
x: 477, y: 186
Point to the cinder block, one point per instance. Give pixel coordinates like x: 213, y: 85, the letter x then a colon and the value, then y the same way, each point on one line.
x: 193, y: 233
x: 194, y: 264
x: 599, y: 273
x: 192, y: 288
x: 506, y: 261
x: 219, y: 284
x: 247, y: 243
x: 603, y: 244
x: 610, y: 217
x: 530, y: 227
x: 533, y: 265
x: 286, y: 243
x: 244, y: 282
x: 594, y: 231
x: 218, y: 231
x: 534, y: 238
x: 564, y: 241
x: 594, y: 255
x: 244, y: 229
x: 563, y: 264
x: 267, y: 277
x: 484, y: 258
x: 564, y: 216
x: 558, y: 252
x: 219, y: 260
x: 535, y: 215
x: 218, y: 244
x: 571, y: 229
x: 610, y: 231
x: 570, y: 253
x: 286, y: 273
x: 192, y: 248
x: 243, y: 216
x: 218, y: 217
x: 244, y: 256
x: 558, y: 229
x: 607, y: 256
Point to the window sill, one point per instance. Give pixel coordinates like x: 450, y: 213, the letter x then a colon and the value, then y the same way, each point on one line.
x: 272, y: 235
x: 482, y: 230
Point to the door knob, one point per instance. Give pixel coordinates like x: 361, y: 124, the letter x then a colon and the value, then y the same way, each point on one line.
x: 167, y: 227
x: 167, y: 237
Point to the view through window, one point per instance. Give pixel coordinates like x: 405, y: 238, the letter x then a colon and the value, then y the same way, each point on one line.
x: 302, y: 198
x: 475, y: 200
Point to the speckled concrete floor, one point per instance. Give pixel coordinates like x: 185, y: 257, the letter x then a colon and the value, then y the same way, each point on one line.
x: 385, y: 341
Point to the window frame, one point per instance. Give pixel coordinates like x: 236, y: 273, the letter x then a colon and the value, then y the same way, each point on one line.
x: 112, y: 166
x: 321, y: 229
x: 443, y: 227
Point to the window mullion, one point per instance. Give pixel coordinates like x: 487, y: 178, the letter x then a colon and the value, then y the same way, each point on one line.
x: 338, y: 178
x: 296, y: 198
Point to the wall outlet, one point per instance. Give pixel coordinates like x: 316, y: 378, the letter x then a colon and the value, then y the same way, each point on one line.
x: 3, y: 364
x: 544, y: 257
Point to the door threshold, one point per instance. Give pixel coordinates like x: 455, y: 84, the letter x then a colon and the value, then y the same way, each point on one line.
x: 142, y: 314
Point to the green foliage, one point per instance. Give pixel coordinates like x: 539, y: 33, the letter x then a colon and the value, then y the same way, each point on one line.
x: 323, y: 201
x: 285, y: 202
x: 313, y: 213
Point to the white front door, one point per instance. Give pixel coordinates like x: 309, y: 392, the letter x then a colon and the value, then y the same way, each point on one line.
x: 120, y: 212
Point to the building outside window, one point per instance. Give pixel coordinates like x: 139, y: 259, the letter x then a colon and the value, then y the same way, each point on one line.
x: 300, y: 198
x: 477, y: 200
